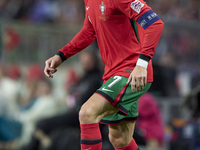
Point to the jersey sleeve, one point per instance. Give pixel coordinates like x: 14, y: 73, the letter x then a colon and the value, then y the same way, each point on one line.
x: 149, y: 24
x: 82, y: 39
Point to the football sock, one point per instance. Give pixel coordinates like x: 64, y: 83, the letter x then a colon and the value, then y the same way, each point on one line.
x: 90, y: 137
x: 131, y: 146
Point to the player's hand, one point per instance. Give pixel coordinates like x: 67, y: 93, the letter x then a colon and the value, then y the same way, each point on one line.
x: 51, y: 64
x: 138, y: 78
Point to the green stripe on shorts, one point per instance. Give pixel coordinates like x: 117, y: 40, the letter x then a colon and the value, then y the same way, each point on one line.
x: 119, y: 94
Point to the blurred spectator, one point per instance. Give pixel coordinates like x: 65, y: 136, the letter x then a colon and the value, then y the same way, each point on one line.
x: 192, y: 103
x: 12, y: 9
x: 72, y: 12
x: 11, y: 39
x: 150, y: 121
x: 44, y: 11
x: 71, y: 79
x: 186, y: 133
x: 3, y: 106
x: 10, y: 85
x: 14, y: 72
x: 33, y: 74
x: 10, y: 127
x: 175, y: 9
x: 44, y: 105
x: 78, y: 93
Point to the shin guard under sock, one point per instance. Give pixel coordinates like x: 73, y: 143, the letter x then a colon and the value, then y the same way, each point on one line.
x: 131, y: 146
x: 90, y: 137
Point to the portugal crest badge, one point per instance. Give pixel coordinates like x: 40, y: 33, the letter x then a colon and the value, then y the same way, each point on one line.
x: 102, y: 8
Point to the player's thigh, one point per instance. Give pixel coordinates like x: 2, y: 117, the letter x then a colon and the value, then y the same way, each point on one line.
x: 122, y: 133
x: 97, y: 107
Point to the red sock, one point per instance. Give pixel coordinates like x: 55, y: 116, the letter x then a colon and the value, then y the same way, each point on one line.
x: 90, y: 137
x: 131, y: 146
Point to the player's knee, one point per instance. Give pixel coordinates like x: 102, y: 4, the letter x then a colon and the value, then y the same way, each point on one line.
x: 117, y: 141
x: 86, y: 115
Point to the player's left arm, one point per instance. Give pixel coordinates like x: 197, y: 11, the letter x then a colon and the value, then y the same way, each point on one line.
x: 150, y: 29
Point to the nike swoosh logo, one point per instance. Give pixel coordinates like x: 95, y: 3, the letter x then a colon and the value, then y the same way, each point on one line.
x: 107, y: 90
x: 87, y: 8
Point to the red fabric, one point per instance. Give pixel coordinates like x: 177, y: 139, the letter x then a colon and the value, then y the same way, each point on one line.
x: 91, y: 132
x: 148, y: 38
x: 14, y: 72
x: 35, y: 72
x: 12, y: 39
x: 131, y: 146
x: 119, y: 95
x: 118, y: 44
x: 150, y: 119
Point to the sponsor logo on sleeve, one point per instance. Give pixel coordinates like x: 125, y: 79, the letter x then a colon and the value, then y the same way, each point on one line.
x: 137, y: 6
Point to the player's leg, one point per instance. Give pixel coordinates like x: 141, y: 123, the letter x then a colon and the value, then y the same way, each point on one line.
x: 90, y: 115
x: 121, y: 136
x: 117, y: 92
x: 94, y: 109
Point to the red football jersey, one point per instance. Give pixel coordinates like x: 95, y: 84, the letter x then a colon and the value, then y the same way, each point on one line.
x: 125, y: 30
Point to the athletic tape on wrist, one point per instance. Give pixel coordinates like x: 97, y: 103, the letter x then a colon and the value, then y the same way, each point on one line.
x: 142, y: 63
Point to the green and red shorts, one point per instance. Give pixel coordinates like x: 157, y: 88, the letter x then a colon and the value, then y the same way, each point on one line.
x: 119, y: 94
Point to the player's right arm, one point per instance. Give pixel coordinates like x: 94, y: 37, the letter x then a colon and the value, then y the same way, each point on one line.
x: 150, y: 28
x: 83, y: 39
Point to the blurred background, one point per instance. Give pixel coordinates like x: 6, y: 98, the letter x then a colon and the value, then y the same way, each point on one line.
x: 38, y: 113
